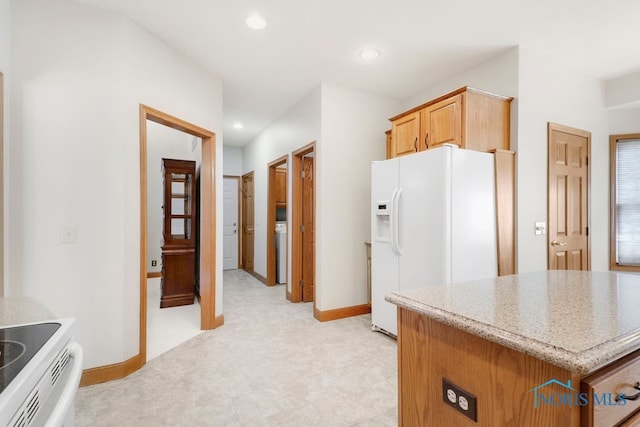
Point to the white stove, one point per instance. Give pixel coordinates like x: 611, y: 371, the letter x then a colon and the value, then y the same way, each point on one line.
x: 40, y: 369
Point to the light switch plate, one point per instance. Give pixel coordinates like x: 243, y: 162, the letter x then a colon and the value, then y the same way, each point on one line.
x: 68, y: 235
x: 540, y: 228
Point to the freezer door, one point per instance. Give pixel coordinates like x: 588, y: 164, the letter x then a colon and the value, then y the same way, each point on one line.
x: 424, y: 225
x: 384, y: 262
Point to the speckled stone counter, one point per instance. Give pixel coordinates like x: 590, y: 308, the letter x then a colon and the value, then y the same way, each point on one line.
x: 18, y: 310
x: 575, y: 320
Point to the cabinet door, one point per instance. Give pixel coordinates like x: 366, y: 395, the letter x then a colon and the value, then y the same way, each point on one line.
x: 442, y: 123
x: 618, y: 378
x: 388, y: 142
x: 179, y: 202
x: 281, y: 187
x: 404, y: 135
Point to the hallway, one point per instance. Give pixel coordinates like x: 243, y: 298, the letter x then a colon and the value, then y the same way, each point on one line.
x: 270, y: 364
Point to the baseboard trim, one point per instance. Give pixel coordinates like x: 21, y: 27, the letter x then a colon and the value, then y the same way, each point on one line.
x: 218, y: 321
x: 341, y: 313
x: 154, y: 274
x: 258, y: 276
x: 102, y: 374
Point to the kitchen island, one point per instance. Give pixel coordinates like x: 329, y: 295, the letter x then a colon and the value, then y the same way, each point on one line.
x: 544, y: 348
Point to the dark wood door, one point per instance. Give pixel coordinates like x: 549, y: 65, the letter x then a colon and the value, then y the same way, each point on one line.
x: 308, y: 235
x: 247, y: 222
x: 568, y: 198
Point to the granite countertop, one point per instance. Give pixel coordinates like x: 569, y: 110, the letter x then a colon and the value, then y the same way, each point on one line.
x: 18, y: 310
x: 577, y: 320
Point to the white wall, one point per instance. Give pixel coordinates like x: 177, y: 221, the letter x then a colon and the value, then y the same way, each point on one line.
x: 624, y: 121
x: 353, y: 126
x: 296, y: 128
x: 550, y: 91
x: 623, y: 90
x: 622, y: 96
x: 163, y: 142
x: 5, y: 27
x: 74, y: 162
x: 232, y: 159
x: 498, y: 75
x: 4, y: 69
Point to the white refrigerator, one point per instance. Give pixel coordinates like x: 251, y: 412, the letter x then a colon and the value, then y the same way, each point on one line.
x: 433, y: 222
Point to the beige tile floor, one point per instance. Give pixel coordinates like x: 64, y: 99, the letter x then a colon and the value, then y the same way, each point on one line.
x: 271, y: 364
x: 168, y: 327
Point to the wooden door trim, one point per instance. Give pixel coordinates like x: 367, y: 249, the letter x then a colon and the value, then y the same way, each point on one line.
x: 239, y: 179
x: 271, y: 218
x: 296, y: 221
x: 208, y: 318
x: 242, y: 219
x: 613, y: 142
x: 587, y: 135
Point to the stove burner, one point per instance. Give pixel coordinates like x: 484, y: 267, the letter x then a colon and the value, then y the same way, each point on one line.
x: 18, y: 345
x: 10, y: 351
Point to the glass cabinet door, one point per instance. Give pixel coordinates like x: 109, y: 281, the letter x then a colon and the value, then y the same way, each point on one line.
x: 181, y: 194
x: 179, y: 204
x: 180, y: 229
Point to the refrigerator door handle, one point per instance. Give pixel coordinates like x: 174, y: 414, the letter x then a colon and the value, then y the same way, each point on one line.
x: 395, y: 223
x: 392, y: 221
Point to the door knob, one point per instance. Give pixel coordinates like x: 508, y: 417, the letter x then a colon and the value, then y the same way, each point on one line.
x: 555, y: 243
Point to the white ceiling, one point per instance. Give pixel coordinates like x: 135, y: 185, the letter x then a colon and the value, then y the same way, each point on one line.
x: 421, y: 42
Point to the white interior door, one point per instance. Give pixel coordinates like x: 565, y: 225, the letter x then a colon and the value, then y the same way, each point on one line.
x: 230, y: 233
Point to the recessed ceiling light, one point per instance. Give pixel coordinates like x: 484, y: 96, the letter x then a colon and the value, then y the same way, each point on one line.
x: 369, y: 54
x: 256, y: 22
x: 237, y: 125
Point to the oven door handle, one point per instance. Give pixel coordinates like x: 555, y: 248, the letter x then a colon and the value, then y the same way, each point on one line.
x: 65, y: 403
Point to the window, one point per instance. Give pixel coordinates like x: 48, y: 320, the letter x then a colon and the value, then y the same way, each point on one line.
x: 625, y: 202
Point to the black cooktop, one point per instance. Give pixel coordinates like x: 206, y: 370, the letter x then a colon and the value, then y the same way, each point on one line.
x: 18, y: 345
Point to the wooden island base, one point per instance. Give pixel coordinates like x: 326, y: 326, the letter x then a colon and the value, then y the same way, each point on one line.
x: 499, y: 377
x: 548, y: 348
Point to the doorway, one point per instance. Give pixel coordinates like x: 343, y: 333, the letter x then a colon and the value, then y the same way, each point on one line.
x: 569, y: 182
x: 208, y: 319
x: 277, y: 263
x: 231, y: 214
x: 303, y: 227
x: 247, y: 222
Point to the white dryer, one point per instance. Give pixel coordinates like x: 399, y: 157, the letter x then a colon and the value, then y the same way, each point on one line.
x: 281, y: 252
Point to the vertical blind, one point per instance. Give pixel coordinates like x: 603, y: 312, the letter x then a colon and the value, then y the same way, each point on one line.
x: 627, y: 202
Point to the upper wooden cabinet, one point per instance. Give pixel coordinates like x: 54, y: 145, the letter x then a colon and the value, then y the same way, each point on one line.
x: 441, y: 123
x: 405, y: 133
x: 466, y: 117
x: 281, y: 187
x: 387, y: 135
